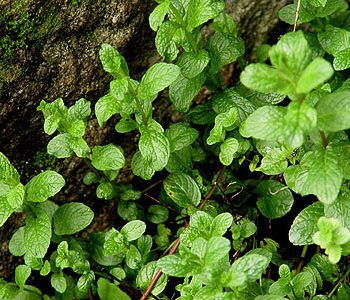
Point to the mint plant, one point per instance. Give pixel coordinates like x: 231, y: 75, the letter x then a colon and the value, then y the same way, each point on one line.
x: 236, y: 171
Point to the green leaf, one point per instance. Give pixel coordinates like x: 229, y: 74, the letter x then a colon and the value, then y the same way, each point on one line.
x: 334, y: 40
x: 291, y: 54
x: 46, y: 268
x: 183, y: 90
x: 71, y: 218
x: 200, y: 226
x: 340, y: 209
x: 44, y: 186
x: 165, y: 40
x: 227, y: 150
x: 142, y: 167
x: 193, y: 63
x: 318, y: 173
x: 316, y: 73
x: 305, y: 225
x: 133, y: 258
x: 114, y: 243
x: 133, y: 230
x: 217, y: 248
x: 157, y: 214
x: 252, y: 265
x: 125, y: 125
x: 108, y: 157
x: 173, y: 265
x: 200, y: 11
x: 265, y: 79
x: 58, y: 282
x: 145, y: 276
x: 105, y: 190
x: 157, y: 16
x: 118, y: 273
x: 180, y: 135
x: 109, y: 291
x: 299, y: 120
x: 333, y: 112
x: 154, y: 147
x: 37, y: 234
x: 182, y: 189
x: 105, y: 108
x: 8, y: 174
x: 16, y: 244
x: 156, y: 79
x: 342, y: 60
x: 79, y: 111
x: 22, y: 273
x: 270, y: 120
x: 113, y: 62
x: 223, y: 49
x: 275, y: 200
x: 220, y: 224
x: 10, y: 200
x: 59, y: 146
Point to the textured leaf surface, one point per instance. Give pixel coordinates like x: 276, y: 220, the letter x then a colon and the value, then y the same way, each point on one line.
x: 44, y: 186
x: 108, y: 157
x: 182, y: 189
x: 305, y: 225
x: 37, y: 234
x: 157, y: 78
x: 275, y: 200
x: 180, y: 135
x: 71, y: 218
x: 133, y: 230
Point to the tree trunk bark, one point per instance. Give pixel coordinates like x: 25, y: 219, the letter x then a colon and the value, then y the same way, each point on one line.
x: 49, y: 50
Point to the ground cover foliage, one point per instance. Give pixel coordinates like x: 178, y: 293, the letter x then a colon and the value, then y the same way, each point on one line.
x: 247, y: 196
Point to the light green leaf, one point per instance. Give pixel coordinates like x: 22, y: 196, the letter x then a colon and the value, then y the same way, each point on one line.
x: 108, y: 157
x: 165, y: 40
x: 125, y: 125
x: 333, y: 111
x: 71, y: 218
x: 133, y: 258
x: 182, y: 189
x: 142, y: 167
x: 299, y: 120
x: 291, y: 55
x: 342, y: 60
x: 109, y: 291
x: 180, y: 135
x: 217, y: 248
x: 79, y: 146
x: 106, y: 107
x: 227, y: 150
x: 265, y: 123
x: 265, y: 79
x: 154, y: 147
x: 316, y: 73
x: 220, y: 224
x: 44, y: 186
x: 183, y: 90
x: 16, y: 245
x: 11, y: 200
x: 252, y: 265
x: 200, y: 226
x: 58, y: 282
x: 340, y: 209
x: 200, y: 11
x: 22, y: 273
x: 193, y: 63
x: 8, y: 174
x: 105, y: 190
x: 113, y: 62
x: 133, y: 230
x: 275, y: 200
x: 334, y: 40
x: 305, y: 225
x: 175, y: 266
x: 157, y: 16
x: 59, y: 146
x: 156, y: 79
x: 46, y: 268
x: 37, y: 234
x: 79, y: 111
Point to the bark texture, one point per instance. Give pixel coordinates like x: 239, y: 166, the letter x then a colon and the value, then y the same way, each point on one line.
x: 49, y: 50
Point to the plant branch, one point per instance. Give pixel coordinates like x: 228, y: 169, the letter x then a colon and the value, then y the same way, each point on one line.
x: 324, y: 139
x: 177, y: 241
x: 296, y: 16
x: 338, y: 283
